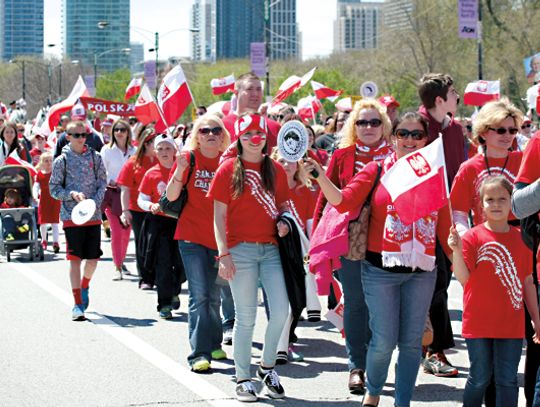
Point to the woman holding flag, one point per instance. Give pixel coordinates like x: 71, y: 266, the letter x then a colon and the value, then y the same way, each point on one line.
x: 397, y: 274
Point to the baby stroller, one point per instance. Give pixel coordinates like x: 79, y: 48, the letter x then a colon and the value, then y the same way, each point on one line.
x: 19, y: 177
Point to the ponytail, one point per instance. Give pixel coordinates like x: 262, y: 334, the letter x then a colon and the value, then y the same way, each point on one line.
x: 268, y: 174
x: 238, y: 177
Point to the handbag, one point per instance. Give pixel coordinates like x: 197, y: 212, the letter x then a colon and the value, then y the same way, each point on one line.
x: 358, y: 228
x: 174, y: 208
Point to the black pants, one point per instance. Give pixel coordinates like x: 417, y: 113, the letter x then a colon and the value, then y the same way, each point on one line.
x: 146, y: 275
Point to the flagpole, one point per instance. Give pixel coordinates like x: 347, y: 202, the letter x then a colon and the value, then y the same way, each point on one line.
x: 447, y: 189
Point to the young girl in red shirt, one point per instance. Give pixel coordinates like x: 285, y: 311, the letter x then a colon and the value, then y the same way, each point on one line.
x: 494, y: 267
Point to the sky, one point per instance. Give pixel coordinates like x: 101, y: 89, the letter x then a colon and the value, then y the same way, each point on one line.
x: 171, y: 18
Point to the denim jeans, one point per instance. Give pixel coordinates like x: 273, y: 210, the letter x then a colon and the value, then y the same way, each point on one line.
x: 204, y: 322
x: 500, y: 357
x: 398, y: 304
x: 254, y: 261
x: 355, y: 314
x: 227, y: 307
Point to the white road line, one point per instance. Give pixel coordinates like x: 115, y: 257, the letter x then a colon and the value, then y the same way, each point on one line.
x: 182, y: 375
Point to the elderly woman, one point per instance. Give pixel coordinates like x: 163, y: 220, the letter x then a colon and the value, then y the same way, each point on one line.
x: 397, y: 274
x: 195, y: 235
x: 365, y: 139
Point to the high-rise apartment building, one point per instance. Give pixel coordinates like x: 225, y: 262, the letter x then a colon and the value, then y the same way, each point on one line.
x: 203, y: 41
x: 21, y: 28
x: 136, y: 57
x: 357, y: 25
x: 397, y: 13
x: 97, y: 30
x: 284, y: 38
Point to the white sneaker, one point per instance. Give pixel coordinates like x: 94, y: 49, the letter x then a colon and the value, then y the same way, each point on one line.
x: 117, y: 275
x: 245, y: 391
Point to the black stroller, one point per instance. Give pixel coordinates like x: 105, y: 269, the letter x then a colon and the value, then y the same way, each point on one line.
x: 18, y: 177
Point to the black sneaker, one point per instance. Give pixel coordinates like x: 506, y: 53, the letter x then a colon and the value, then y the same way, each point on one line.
x: 281, y: 358
x: 245, y: 391
x: 271, y: 381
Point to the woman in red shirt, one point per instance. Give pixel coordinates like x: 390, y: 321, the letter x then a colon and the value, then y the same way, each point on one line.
x: 249, y: 193
x: 397, y: 274
x: 196, y: 241
x: 129, y: 179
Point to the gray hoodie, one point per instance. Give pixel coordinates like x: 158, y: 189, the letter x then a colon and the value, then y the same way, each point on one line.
x: 74, y: 172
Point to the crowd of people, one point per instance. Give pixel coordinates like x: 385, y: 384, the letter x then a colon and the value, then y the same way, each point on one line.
x: 249, y: 220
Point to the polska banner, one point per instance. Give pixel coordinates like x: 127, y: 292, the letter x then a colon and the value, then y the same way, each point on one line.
x: 108, y: 106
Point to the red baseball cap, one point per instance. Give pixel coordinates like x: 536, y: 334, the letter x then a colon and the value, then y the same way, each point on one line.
x: 389, y: 100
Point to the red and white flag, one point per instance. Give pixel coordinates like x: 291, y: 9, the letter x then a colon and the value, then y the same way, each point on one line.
x: 308, y: 107
x: 222, y: 85
x: 146, y: 108
x: 78, y: 91
x: 417, y: 182
x: 291, y: 85
x: 14, y: 159
x: 133, y: 89
x: 324, y: 92
x: 344, y: 105
x: 174, y: 95
x: 480, y: 92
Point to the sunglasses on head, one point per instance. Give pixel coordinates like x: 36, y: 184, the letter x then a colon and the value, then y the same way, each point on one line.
x: 78, y: 135
x: 503, y: 130
x: 214, y: 130
x: 414, y: 134
x: 526, y: 126
x: 121, y: 129
x: 371, y: 123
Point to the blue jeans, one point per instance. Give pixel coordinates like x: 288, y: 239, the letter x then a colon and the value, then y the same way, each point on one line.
x: 204, y: 322
x: 355, y: 314
x: 254, y: 261
x: 499, y: 357
x: 398, y: 304
x: 227, y: 307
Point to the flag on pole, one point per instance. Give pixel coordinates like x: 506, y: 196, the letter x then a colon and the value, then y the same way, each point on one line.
x: 324, y: 92
x: 308, y: 107
x: 15, y: 159
x: 222, y: 85
x: 133, y: 88
x: 291, y: 85
x: 146, y: 108
x: 174, y: 95
x: 78, y: 91
x: 478, y: 93
x: 417, y: 182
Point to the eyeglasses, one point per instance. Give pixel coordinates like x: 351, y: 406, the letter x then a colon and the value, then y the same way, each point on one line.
x: 79, y: 135
x: 414, y: 134
x: 372, y: 123
x: 526, y: 126
x: 503, y: 130
x: 214, y: 130
x: 468, y: 127
x: 120, y: 129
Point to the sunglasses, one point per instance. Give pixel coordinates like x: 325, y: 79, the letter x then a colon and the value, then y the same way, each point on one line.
x: 414, y: 134
x: 503, y: 130
x: 468, y: 127
x: 214, y: 130
x: 79, y: 135
x: 371, y: 123
x: 120, y: 129
x: 526, y: 126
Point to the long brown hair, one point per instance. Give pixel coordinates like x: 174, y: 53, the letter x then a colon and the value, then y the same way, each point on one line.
x: 125, y: 125
x: 141, y: 151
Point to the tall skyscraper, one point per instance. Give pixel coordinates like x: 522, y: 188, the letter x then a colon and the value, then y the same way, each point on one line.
x: 357, y: 25
x: 203, y: 42
x: 284, y: 38
x: 97, y: 30
x: 397, y: 13
x: 21, y: 28
x: 136, y: 57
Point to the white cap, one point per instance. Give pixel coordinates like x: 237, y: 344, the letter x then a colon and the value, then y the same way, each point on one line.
x: 164, y: 138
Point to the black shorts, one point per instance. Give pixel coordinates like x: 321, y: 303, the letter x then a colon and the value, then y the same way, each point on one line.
x: 83, y: 242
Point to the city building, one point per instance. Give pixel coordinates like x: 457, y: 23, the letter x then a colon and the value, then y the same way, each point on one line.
x: 21, y: 28
x: 397, y: 13
x: 357, y: 25
x: 284, y: 38
x: 136, y: 57
x: 97, y: 31
x: 203, y: 41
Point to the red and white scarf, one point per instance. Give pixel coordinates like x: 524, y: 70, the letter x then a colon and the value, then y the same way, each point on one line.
x: 364, y: 154
x: 408, y: 245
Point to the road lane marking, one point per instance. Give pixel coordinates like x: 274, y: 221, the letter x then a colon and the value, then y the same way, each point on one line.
x: 182, y: 375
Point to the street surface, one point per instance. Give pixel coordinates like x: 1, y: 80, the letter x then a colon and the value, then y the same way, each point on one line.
x: 124, y: 355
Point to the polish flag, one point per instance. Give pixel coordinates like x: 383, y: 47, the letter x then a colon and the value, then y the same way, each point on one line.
x: 133, y: 88
x: 323, y: 92
x: 4, y: 111
x: 174, y: 96
x: 480, y: 92
x: 308, y: 107
x: 14, y: 159
x: 417, y: 183
x: 291, y: 85
x: 344, y: 105
x: 222, y: 85
x: 78, y: 91
x: 146, y: 108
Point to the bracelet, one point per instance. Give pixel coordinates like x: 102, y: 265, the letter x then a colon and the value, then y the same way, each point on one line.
x: 218, y: 258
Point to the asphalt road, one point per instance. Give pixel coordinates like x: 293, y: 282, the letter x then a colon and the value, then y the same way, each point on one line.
x: 124, y: 355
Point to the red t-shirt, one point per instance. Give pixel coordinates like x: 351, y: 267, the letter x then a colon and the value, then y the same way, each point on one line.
x: 252, y: 217
x: 493, y: 295
x: 196, y: 224
x: 530, y: 170
x: 302, y: 205
x: 465, y: 196
x: 154, y: 183
x: 131, y: 176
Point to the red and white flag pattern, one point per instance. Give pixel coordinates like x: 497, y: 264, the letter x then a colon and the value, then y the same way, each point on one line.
x: 291, y: 85
x: 324, y: 92
x: 146, y: 108
x: 417, y: 182
x: 78, y: 91
x: 15, y: 159
x: 174, y: 95
x: 222, y: 85
x: 133, y: 89
x: 344, y: 105
x: 480, y: 92
x: 308, y: 107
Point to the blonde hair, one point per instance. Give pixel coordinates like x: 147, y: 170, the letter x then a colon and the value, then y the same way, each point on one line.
x: 349, y: 129
x: 46, y: 154
x: 205, y: 119
x: 300, y: 175
x: 493, y: 113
